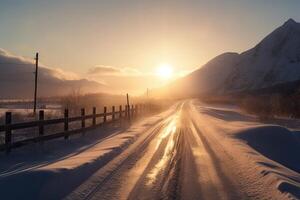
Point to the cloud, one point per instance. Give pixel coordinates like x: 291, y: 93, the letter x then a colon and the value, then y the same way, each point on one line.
x: 102, y: 70
x: 61, y: 74
x: 17, y: 79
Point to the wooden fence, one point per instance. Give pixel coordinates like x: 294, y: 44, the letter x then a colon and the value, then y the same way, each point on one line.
x: 127, y: 113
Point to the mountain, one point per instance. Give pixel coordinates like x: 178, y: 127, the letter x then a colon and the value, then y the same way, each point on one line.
x: 17, y: 79
x: 274, y: 61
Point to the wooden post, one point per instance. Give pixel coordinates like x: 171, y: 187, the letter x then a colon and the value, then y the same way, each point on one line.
x: 113, y: 113
x: 7, y: 131
x: 35, y: 81
x: 136, y: 110
x: 132, y: 110
x: 94, y: 116
x: 104, y: 115
x: 82, y: 118
x: 66, y: 123
x: 41, y: 125
x: 120, y: 112
x: 128, y: 112
x: 128, y: 106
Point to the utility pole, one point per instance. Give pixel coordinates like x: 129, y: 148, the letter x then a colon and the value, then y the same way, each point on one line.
x: 35, y: 81
x: 128, y: 106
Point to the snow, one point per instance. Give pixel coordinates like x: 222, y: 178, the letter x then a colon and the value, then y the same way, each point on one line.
x: 264, y: 157
x: 282, y: 148
x: 274, y: 60
x: 56, y: 167
x: 227, y: 146
x: 215, y: 149
x: 175, y: 163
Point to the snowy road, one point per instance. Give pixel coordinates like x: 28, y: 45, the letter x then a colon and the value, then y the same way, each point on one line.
x: 191, y: 151
x: 174, y: 161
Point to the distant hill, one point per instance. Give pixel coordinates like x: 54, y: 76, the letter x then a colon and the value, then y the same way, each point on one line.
x: 274, y: 63
x: 17, y: 79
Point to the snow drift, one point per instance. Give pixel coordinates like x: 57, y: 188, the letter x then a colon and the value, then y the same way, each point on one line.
x: 276, y: 143
x: 264, y: 156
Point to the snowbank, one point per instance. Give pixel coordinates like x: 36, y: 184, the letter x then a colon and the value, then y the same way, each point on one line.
x: 275, y: 142
x: 264, y: 157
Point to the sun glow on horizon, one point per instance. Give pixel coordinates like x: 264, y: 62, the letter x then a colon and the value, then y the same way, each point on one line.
x: 165, y: 71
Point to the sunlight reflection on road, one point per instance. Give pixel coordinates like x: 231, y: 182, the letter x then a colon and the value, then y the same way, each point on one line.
x: 170, y: 132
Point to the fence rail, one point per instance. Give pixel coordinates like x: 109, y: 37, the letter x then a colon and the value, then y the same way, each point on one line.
x: 8, y: 128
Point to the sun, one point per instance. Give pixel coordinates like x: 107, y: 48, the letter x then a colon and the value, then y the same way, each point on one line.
x: 164, y: 71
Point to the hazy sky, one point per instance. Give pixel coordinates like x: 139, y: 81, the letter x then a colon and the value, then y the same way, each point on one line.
x: 132, y: 37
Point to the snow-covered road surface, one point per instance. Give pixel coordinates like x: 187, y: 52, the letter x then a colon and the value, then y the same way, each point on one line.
x: 174, y: 161
x: 191, y: 151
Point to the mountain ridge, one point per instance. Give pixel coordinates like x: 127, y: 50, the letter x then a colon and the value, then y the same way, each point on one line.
x: 17, y: 79
x: 274, y: 60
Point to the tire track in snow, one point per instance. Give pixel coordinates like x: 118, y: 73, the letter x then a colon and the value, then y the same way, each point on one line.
x: 175, y: 161
x: 88, y: 189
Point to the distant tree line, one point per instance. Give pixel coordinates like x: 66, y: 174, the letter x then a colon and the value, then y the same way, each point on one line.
x: 270, y: 106
x: 264, y: 106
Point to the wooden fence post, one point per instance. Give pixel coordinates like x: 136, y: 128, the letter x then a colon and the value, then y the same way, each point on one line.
x: 113, y: 113
x: 104, y: 115
x: 82, y: 118
x: 120, y: 112
x: 66, y: 123
x: 129, y: 112
x: 136, y: 110
x: 7, y: 131
x: 94, y: 116
x: 41, y: 124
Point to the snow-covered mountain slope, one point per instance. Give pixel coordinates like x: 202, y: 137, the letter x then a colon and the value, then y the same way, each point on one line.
x: 275, y: 60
